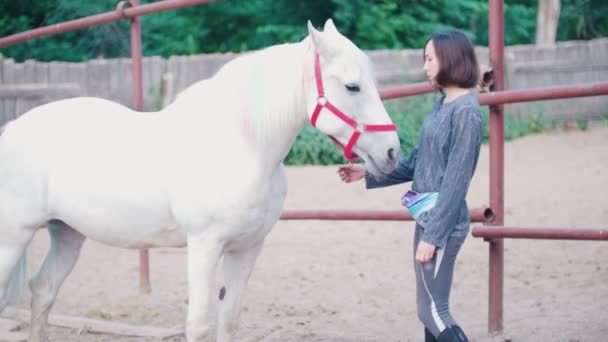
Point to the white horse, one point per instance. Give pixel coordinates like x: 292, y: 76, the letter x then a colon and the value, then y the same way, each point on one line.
x: 205, y: 172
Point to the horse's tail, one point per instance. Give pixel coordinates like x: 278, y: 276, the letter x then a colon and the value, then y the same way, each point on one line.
x: 4, y: 127
x: 18, y: 281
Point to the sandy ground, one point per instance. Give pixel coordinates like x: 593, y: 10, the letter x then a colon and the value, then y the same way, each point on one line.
x: 352, y: 281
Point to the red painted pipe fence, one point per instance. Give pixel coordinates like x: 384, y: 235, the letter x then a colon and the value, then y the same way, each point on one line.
x: 508, y: 96
x: 483, y: 214
x: 500, y: 232
x: 124, y: 10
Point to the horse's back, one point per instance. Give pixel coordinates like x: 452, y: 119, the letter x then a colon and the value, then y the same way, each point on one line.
x: 77, y: 134
x: 86, y: 161
x: 26, y: 147
x: 80, y: 115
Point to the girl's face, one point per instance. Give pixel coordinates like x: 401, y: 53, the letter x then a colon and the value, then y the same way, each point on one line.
x: 431, y: 63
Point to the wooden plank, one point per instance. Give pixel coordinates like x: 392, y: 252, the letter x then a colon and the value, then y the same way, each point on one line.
x: 179, y: 71
x: 37, y: 91
x: 22, y: 71
x: 98, y: 78
x: 167, y: 90
x: 2, y: 59
x: 29, y: 71
x: 58, y: 72
x: 126, y: 70
x: 9, y: 110
x: 2, y: 101
x: 41, y: 71
x: 12, y: 331
x: 77, y: 73
x: 100, y: 327
x: 8, y: 75
x: 153, y: 72
x: 18, y: 73
x: 23, y: 105
x: 17, y: 336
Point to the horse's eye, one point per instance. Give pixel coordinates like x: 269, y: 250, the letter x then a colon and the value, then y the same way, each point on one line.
x: 353, y: 87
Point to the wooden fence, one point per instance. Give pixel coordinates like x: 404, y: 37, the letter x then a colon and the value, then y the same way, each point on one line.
x: 526, y: 67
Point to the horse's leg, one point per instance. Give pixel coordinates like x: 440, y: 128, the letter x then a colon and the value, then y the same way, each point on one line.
x: 203, y: 255
x: 60, y: 260
x: 13, y: 243
x: 237, y: 267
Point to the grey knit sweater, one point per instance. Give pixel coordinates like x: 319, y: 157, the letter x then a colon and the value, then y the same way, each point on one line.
x: 444, y: 161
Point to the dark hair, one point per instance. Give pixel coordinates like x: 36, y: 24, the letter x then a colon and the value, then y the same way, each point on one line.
x: 457, y: 61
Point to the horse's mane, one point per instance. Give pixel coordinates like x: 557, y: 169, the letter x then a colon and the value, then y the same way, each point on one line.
x: 261, y: 88
x: 263, y: 73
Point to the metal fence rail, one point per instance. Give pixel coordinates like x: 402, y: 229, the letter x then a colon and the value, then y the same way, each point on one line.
x: 557, y: 233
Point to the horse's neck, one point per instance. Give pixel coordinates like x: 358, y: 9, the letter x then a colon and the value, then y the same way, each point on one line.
x: 257, y: 101
x: 278, y: 100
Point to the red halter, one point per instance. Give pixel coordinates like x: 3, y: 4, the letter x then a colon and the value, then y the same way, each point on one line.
x: 323, y: 102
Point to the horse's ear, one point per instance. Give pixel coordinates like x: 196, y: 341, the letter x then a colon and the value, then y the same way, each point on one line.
x: 329, y: 26
x: 319, y: 40
x: 313, y: 33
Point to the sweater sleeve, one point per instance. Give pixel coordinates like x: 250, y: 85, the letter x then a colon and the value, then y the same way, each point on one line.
x: 465, y: 141
x: 403, y: 173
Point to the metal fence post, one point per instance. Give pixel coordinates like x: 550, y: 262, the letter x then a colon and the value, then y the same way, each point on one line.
x: 138, y: 104
x: 496, y: 253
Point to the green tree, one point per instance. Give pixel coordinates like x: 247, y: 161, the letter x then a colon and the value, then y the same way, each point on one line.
x: 583, y: 19
x: 110, y: 40
x: 238, y: 25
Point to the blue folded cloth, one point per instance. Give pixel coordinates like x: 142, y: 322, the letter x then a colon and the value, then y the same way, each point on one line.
x: 417, y: 203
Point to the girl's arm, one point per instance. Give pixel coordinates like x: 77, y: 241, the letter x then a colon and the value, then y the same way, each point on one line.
x: 403, y: 173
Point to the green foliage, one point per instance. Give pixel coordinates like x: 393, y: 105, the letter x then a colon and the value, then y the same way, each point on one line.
x: 313, y: 147
x: 237, y: 26
x: 408, y: 114
x: 583, y: 124
x: 226, y: 26
x: 109, y: 40
x: 515, y: 127
x: 538, y: 123
x: 583, y: 19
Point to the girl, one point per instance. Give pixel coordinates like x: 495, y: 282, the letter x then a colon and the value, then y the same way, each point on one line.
x: 444, y: 162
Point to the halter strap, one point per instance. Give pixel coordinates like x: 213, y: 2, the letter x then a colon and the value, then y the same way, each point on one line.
x: 358, y: 128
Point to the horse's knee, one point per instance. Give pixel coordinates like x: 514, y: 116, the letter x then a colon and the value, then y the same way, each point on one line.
x: 228, y: 330
x: 3, y: 302
x: 38, y: 286
x: 198, y: 332
x: 43, y: 293
x: 38, y: 333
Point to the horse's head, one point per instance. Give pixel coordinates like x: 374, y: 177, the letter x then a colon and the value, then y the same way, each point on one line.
x: 343, y: 101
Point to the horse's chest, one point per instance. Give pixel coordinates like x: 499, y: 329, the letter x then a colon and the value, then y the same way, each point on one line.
x: 250, y: 226
x: 240, y: 212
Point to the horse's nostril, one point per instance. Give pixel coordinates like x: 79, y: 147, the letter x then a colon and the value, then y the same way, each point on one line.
x: 391, y: 153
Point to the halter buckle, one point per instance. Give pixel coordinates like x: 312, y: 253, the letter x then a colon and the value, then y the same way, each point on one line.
x: 360, y: 127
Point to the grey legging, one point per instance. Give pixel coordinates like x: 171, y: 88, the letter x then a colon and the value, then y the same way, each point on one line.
x: 433, y: 285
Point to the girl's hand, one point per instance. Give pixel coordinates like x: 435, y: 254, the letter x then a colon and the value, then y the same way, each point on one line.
x: 351, y: 173
x: 425, y: 252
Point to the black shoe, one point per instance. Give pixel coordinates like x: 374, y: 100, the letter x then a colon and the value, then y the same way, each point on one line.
x: 428, y: 337
x: 452, y: 334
